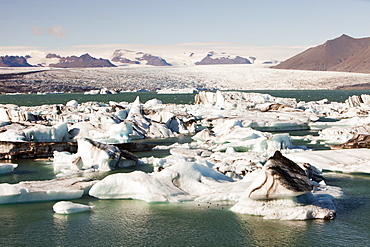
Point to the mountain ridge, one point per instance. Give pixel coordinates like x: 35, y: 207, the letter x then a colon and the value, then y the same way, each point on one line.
x: 345, y: 54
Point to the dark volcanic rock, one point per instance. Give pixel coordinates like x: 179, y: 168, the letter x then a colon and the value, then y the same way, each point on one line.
x: 52, y: 55
x: 222, y: 60
x: 124, y: 60
x: 154, y: 60
x: 121, y: 57
x: 279, y: 178
x: 14, y: 61
x: 84, y: 61
x: 357, y: 141
x: 345, y: 54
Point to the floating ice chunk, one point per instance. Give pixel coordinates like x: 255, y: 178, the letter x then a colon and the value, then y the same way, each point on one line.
x: 159, y: 131
x: 93, y: 155
x: 152, y: 103
x: 72, y: 103
x: 7, y: 167
x: 183, y: 181
x: 286, y: 209
x: 135, y: 109
x: 279, y: 178
x: 119, y: 133
x: 281, y: 190
x: 101, y: 156
x: 202, y: 136
x: 64, y: 207
x: 35, y: 191
x: 66, y: 161
x: 344, y: 160
x: 41, y: 133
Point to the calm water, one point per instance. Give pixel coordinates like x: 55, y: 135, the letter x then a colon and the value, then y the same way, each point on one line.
x: 136, y: 223
x: 300, y: 95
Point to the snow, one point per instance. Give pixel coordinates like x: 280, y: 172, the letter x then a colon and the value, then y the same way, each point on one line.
x: 65, y: 207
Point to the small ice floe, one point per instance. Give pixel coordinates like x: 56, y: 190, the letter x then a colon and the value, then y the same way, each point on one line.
x: 341, y: 160
x: 64, y: 207
x: 7, y: 167
x: 50, y: 190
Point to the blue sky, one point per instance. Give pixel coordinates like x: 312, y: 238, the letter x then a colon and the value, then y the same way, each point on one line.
x: 56, y: 24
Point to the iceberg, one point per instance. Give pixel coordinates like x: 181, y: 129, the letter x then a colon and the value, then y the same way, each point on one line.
x: 181, y: 182
x: 7, y: 167
x: 279, y: 178
x: 65, y: 207
x: 94, y: 156
x: 290, y: 195
x: 341, y: 160
x: 36, y: 191
x: 282, y: 191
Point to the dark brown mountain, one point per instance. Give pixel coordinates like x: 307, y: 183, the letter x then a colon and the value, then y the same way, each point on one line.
x: 84, y: 61
x: 14, y: 61
x: 345, y: 54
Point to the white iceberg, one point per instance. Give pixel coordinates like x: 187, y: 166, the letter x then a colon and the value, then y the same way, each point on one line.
x: 180, y: 182
x: 65, y: 207
x: 343, y: 160
x: 7, y: 167
x: 92, y: 155
x: 36, y: 191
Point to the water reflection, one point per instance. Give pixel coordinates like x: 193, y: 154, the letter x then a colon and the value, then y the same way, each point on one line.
x: 273, y: 232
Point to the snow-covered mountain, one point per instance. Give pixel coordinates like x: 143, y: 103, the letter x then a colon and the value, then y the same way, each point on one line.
x: 14, y: 61
x: 187, y: 54
x: 223, y: 58
x: 131, y: 57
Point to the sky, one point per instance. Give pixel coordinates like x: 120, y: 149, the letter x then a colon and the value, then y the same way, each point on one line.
x: 56, y: 23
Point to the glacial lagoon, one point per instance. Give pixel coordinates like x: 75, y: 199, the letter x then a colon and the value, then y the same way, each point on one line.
x: 137, y: 223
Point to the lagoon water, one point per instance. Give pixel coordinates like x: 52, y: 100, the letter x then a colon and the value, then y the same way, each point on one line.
x: 137, y: 223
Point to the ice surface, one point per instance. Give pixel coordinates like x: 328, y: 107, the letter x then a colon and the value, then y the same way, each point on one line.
x: 35, y: 191
x: 344, y: 160
x: 7, y: 167
x: 90, y: 155
x: 65, y: 207
x: 314, y: 207
x: 183, y: 181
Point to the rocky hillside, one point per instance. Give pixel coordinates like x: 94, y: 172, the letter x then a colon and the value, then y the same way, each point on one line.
x: 213, y: 58
x: 13, y: 61
x: 344, y: 54
x: 84, y: 61
x: 132, y: 57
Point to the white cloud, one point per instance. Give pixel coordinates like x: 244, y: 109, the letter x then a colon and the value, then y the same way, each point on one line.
x: 36, y: 30
x: 56, y: 32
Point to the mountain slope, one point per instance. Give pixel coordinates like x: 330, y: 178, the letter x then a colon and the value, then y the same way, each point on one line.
x: 345, y: 54
x: 213, y: 58
x: 13, y: 61
x: 84, y: 61
x: 132, y: 57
